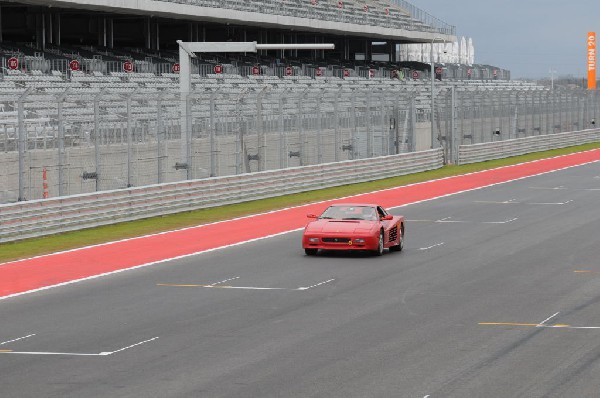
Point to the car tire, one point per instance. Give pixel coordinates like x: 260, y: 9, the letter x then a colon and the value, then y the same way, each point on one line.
x: 400, y: 245
x: 379, y: 251
x: 311, y: 252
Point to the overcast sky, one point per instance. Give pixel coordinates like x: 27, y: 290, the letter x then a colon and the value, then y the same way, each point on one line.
x: 527, y: 37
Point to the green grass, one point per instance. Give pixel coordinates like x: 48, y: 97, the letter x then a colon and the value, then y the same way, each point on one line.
x: 37, y: 246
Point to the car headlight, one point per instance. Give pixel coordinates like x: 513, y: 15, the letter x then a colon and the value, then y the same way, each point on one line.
x: 313, y: 240
x: 359, y: 240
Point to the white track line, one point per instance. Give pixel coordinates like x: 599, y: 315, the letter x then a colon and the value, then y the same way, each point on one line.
x: 541, y: 324
x: 101, y: 354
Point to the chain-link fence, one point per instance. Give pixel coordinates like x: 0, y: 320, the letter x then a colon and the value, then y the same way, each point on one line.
x: 472, y: 115
x: 78, y: 141
x: 75, y: 142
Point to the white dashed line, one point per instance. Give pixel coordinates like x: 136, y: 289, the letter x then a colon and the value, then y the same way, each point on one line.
x: 318, y: 284
x: 432, y: 246
x: 17, y: 339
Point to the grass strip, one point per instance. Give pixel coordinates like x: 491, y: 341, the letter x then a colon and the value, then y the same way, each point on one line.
x: 71, y: 240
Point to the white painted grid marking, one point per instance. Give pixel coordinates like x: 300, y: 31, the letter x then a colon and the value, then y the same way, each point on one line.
x: 101, y: 354
x: 17, y: 339
x: 543, y: 323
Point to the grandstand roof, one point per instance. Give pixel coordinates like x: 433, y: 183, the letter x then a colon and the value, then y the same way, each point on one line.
x: 384, y: 19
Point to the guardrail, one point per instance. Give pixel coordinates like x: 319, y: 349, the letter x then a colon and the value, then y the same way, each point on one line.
x: 519, y: 146
x: 50, y: 216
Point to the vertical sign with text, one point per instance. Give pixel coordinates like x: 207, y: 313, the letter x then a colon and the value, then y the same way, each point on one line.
x: 591, y: 60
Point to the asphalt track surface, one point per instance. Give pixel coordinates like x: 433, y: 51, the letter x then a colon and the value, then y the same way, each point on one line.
x: 495, y: 295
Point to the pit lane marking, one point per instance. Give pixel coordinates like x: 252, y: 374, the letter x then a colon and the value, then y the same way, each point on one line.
x: 216, y: 286
x: 17, y: 339
x: 586, y: 272
x: 100, y: 354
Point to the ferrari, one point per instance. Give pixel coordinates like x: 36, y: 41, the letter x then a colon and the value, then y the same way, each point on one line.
x: 365, y: 227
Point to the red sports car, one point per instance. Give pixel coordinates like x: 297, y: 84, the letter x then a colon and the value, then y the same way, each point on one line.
x: 353, y: 227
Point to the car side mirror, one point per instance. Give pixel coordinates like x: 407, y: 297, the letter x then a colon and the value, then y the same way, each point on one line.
x: 389, y: 217
x: 311, y: 216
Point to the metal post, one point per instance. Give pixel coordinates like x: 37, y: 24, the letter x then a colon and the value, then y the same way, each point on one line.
x: 22, y: 143
x: 320, y: 127
x: 61, y: 146
x: 213, y: 140
x: 433, y: 93
x: 97, y: 138
x: 189, y: 135
x: 336, y: 128
x: 368, y: 122
x: 261, y: 135
x: 129, y: 142
x: 354, y: 133
x: 282, y: 143
x: 452, y: 146
x: 159, y: 133
x: 184, y: 91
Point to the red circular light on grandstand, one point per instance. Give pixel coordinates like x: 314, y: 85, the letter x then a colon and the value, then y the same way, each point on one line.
x: 318, y: 72
x: 340, y: 4
x: 74, y: 65
x: 366, y: 8
x: 175, y: 68
x: 289, y: 71
x: 13, y: 63
x: 346, y: 73
x: 128, y: 66
x: 415, y: 74
x: 218, y: 69
x: 255, y: 70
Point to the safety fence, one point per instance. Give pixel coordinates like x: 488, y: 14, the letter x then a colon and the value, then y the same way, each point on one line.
x: 520, y: 146
x: 43, y: 217
x: 61, y: 142
x: 75, y: 142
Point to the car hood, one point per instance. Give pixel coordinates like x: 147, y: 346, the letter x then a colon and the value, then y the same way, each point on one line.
x: 341, y: 226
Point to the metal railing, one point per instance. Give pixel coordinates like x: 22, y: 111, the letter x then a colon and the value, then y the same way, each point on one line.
x: 44, y: 217
x: 519, y: 146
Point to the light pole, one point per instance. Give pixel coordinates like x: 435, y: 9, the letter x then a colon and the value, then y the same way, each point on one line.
x: 432, y: 93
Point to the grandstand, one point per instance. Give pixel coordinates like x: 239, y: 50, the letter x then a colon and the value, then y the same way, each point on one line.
x: 89, y: 90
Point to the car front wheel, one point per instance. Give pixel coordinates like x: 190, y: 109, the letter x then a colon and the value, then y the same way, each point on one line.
x: 379, y: 250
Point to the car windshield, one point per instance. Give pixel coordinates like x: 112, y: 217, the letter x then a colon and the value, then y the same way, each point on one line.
x: 350, y: 213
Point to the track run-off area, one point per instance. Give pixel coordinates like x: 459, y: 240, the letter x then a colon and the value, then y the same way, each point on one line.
x: 494, y: 295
